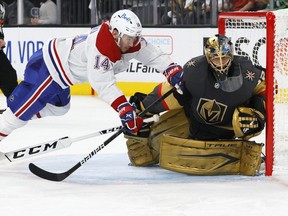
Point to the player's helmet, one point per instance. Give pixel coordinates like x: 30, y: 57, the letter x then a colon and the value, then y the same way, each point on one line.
x: 219, y: 53
x: 126, y: 22
x: 2, y: 12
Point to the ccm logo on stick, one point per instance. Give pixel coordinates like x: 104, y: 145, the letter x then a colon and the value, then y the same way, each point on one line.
x: 34, y: 150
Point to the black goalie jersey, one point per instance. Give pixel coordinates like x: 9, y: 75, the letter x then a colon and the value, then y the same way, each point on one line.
x: 208, y: 106
x: 209, y: 103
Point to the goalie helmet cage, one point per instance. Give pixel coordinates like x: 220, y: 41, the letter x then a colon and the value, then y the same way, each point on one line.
x: 263, y: 37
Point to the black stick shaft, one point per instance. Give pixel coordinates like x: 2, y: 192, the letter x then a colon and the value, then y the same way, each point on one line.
x: 61, y: 176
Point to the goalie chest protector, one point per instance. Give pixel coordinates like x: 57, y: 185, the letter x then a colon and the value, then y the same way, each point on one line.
x: 203, y: 99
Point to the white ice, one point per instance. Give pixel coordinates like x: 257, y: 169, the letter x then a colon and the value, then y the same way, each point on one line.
x: 107, y: 186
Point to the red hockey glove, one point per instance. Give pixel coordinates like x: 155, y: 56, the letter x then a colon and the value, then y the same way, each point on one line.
x: 128, y: 117
x: 174, y: 75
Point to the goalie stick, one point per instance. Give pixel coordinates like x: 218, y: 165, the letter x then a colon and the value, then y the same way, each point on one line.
x: 53, y: 145
x: 61, y: 176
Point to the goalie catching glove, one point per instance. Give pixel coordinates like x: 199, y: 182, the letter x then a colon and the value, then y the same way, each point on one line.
x: 247, y: 122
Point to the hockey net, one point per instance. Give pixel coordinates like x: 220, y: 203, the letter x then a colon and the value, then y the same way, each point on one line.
x: 263, y: 37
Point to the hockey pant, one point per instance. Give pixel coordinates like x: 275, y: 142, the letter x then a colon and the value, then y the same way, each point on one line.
x: 37, y: 95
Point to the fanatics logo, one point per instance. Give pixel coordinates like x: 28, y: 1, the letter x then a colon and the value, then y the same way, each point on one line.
x: 249, y: 75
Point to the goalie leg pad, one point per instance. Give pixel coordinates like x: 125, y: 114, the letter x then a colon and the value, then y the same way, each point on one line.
x: 173, y: 122
x: 250, y: 158
x: 210, y: 157
x: 143, y: 148
x: 138, y: 151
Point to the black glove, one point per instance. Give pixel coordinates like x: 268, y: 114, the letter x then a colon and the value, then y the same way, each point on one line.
x: 137, y: 99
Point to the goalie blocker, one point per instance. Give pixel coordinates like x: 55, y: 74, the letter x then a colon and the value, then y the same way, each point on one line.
x: 166, y: 143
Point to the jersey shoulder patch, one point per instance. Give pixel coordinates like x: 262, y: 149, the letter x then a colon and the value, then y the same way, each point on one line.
x: 106, y: 45
x: 196, y: 65
x: 195, y: 62
x: 196, y: 71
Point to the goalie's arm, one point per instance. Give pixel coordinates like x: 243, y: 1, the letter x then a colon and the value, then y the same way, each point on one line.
x: 258, y: 101
x: 249, y: 119
x: 142, y: 100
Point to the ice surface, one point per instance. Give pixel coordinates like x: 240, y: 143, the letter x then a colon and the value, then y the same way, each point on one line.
x: 107, y: 186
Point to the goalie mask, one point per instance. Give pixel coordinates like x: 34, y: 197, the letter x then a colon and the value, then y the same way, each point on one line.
x: 219, y: 54
x: 126, y: 23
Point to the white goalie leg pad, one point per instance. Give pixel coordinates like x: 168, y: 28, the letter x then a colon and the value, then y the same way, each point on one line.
x: 9, y: 122
x: 52, y: 110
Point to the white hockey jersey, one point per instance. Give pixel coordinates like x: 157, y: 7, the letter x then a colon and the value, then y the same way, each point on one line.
x: 96, y: 58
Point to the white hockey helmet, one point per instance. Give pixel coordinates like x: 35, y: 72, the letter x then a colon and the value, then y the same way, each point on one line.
x: 127, y: 23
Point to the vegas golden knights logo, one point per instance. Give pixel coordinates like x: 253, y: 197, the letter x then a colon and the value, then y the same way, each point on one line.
x: 211, y: 111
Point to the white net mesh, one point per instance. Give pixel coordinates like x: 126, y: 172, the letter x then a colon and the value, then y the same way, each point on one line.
x: 281, y: 92
x: 248, y: 33
x: 249, y: 38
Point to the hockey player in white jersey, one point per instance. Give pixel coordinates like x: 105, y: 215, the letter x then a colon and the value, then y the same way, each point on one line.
x: 94, y: 57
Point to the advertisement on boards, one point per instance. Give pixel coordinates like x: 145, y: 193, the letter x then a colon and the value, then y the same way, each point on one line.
x: 180, y: 44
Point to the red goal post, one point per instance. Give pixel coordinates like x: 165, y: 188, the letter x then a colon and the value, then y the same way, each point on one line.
x: 263, y: 37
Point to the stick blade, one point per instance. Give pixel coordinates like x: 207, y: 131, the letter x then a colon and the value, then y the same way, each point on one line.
x: 46, y: 174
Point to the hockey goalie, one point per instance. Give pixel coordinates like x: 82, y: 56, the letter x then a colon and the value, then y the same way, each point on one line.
x: 206, y: 130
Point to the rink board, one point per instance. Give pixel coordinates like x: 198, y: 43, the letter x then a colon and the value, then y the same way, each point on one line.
x: 22, y: 42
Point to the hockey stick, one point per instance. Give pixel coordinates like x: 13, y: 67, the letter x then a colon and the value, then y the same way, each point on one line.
x: 61, y: 176
x: 53, y: 145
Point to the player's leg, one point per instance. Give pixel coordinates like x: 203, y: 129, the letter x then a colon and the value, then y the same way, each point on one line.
x: 30, y: 96
x: 57, y: 106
